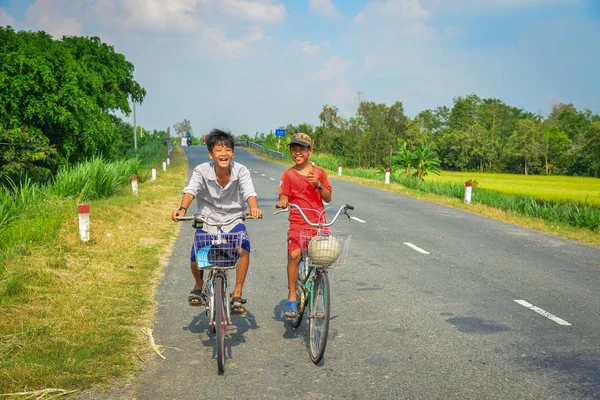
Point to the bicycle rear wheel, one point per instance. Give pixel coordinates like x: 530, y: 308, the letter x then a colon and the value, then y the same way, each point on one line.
x: 318, y: 317
x: 220, y: 322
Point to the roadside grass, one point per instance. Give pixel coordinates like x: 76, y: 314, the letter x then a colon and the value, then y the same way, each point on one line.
x: 550, y: 188
x: 508, y: 207
x: 71, y: 311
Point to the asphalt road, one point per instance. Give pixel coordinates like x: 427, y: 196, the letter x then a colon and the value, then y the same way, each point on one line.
x: 424, y: 308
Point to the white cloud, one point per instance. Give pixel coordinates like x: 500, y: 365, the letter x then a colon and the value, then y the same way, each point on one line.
x: 5, y: 18
x: 306, y: 47
x: 334, y: 67
x: 405, y: 9
x: 324, y: 7
x: 261, y: 11
x: 45, y: 15
x: 215, y: 41
x: 160, y: 15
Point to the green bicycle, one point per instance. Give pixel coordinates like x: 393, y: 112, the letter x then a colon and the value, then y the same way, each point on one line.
x: 322, y: 248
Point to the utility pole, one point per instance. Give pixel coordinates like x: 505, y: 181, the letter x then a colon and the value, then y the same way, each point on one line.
x: 134, y: 129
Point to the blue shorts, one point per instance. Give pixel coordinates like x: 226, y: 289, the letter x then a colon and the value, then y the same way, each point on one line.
x: 202, y: 242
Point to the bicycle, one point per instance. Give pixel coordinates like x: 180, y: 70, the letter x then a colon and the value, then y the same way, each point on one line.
x: 320, y: 250
x: 217, y: 253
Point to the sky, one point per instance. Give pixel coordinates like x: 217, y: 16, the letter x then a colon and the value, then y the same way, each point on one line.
x: 255, y: 65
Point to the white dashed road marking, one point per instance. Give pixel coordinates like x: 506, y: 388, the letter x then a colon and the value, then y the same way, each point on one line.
x: 272, y: 179
x: 420, y: 250
x: 543, y: 312
x: 262, y: 174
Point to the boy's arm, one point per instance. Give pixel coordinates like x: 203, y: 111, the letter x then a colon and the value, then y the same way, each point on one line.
x: 186, y: 201
x: 324, y: 187
x: 284, y: 189
x: 255, y: 212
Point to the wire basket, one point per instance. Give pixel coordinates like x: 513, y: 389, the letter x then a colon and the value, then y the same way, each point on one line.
x: 325, y: 248
x: 218, y: 251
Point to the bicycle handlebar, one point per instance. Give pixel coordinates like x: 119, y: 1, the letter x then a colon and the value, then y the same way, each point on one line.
x: 202, y: 218
x: 343, y: 208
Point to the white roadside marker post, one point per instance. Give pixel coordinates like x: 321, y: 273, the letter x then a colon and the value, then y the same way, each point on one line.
x: 84, y: 222
x: 340, y: 169
x: 387, y: 176
x: 168, y: 160
x: 134, y: 185
x: 153, y: 173
x: 165, y: 165
x: 468, y: 189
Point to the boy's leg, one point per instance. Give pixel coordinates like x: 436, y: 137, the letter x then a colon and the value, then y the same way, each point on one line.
x: 241, y: 272
x: 199, y: 283
x: 292, y: 272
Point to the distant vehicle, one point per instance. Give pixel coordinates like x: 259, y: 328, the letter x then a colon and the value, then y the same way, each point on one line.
x: 189, y: 141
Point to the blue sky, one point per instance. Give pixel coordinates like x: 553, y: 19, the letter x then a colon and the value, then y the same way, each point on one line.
x: 254, y: 65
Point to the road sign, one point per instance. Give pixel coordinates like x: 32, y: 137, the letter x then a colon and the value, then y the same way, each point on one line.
x: 279, y: 132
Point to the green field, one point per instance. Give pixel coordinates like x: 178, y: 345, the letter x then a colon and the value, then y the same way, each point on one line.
x: 560, y: 188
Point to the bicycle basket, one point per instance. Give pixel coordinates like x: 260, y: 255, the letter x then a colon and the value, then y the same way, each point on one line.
x: 325, y: 248
x: 212, y: 253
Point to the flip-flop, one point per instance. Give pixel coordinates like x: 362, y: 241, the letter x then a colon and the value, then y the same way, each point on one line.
x: 237, y: 306
x: 291, y: 310
x: 195, y: 298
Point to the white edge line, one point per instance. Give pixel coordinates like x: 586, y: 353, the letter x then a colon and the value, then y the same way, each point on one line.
x: 262, y: 174
x: 272, y: 179
x: 412, y: 246
x: 543, y: 312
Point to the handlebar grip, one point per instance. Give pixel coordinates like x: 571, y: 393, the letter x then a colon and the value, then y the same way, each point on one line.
x: 349, y: 207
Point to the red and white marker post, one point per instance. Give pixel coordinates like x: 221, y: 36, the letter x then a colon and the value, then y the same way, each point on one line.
x: 468, y: 189
x: 164, y: 165
x: 134, y: 185
x: 153, y: 173
x: 340, y: 169
x: 84, y: 222
x: 387, y: 176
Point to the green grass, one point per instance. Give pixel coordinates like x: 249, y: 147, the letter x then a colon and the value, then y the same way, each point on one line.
x: 71, y: 312
x: 550, y: 188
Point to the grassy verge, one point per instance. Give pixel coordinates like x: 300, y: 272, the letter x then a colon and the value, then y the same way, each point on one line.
x: 71, y: 312
x: 371, y: 178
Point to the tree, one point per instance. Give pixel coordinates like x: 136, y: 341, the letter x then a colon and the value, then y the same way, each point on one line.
x: 554, y: 144
x: 526, y: 142
x: 425, y: 162
x: 183, y: 128
x: 67, y: 90
x: 403, y: 157
x: 22, y: 150
x: 592, y: 146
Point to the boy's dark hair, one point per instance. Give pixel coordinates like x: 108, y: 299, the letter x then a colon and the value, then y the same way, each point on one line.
x: 217, y: 136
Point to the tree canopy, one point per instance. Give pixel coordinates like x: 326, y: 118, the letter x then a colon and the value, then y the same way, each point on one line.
x: 62, y: 95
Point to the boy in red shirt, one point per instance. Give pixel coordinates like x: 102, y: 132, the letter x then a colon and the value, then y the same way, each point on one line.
x: 306, y: 186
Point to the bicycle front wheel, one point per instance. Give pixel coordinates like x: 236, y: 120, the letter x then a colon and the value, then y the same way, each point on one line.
x: 220, y: 321
x: 319, y: 317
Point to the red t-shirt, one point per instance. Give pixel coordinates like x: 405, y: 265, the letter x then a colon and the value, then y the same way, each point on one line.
x: 301, y: 192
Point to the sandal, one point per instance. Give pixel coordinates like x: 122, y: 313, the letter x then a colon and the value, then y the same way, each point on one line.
x: 196, y: 298
x: 291, y: 310
x: 237, y: 306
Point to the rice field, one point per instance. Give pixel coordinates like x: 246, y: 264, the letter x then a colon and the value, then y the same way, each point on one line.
x: 549, y: 188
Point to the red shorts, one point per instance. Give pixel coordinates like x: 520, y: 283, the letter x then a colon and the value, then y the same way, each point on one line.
x: 294, y: 241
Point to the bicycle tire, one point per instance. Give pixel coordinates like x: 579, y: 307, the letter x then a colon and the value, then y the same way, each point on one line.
x: 318, y: 323
x: 301, y: 303
x: 220, y: 322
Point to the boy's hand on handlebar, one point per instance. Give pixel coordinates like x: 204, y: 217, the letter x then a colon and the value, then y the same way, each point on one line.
x: 177, y: 213
x: 255, y: 213
x: 282, y: 203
